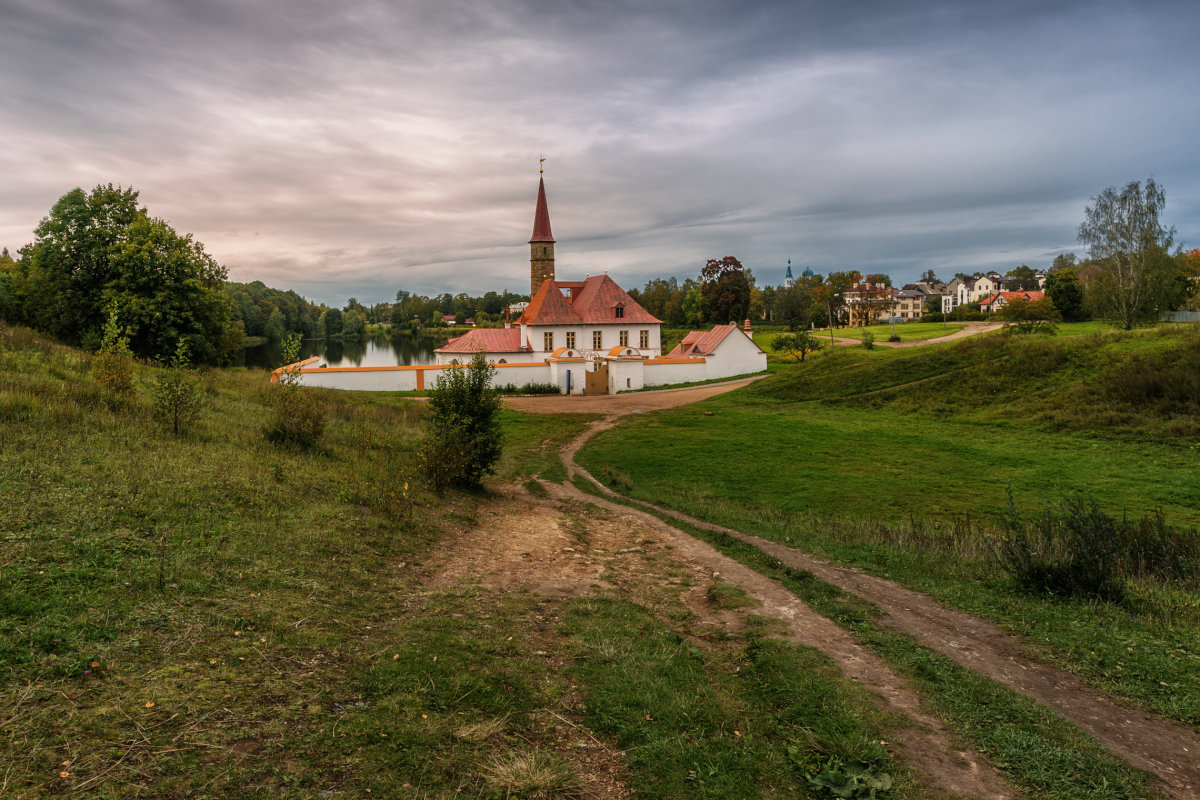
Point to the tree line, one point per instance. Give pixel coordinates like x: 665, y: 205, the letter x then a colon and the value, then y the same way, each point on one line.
x: 100, y: 262
x: 99, y: 259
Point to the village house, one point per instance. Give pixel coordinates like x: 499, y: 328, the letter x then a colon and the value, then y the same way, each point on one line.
x: 998, y: 300
x: 868, y: 303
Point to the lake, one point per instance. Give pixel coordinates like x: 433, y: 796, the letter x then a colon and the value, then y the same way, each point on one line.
x: 375, y: 351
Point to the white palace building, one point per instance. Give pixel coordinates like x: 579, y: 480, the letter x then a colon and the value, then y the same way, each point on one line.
x: 586, y: 337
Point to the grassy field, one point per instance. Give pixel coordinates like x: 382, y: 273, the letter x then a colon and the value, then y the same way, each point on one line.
x: 908, y: 331
x: 211, y: 616
x: 901, y: 463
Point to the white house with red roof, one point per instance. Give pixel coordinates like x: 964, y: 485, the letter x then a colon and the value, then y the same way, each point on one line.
x: 998, y: 300
x: 727, y: 350
x: 585, y: 336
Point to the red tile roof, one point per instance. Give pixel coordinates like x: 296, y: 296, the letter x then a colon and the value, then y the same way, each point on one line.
x: 702, y: 343
x: 1031, y: 296
x: 541, y: 217
x: 591, y: 302
x: 548, y: 306
x: 490, y: 340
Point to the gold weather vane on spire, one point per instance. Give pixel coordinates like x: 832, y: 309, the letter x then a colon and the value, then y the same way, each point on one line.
x: 541, y: 160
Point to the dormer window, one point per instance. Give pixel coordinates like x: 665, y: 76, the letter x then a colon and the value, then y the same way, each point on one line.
x: 619, y: 311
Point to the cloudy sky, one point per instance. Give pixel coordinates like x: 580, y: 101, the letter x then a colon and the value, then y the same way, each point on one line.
x: 355, y: 148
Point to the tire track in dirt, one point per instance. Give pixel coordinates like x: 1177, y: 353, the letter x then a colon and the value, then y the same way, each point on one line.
x: 1166, y: 749
x: 926, y: 744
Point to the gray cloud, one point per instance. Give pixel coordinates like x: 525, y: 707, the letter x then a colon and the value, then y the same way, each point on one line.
x: 354, y: 149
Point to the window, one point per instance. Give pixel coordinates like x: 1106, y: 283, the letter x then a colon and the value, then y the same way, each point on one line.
x: 571, y: 339
x: 548, y: 340
x: 596, y: 340
x: 644, y: 339
x: 624, y: 340
x: 619, y: 311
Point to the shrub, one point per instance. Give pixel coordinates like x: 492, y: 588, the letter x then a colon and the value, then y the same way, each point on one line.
x: 297, y: 417
x: 177, y: 392
x: 868, y: 340
x: 795, y: 343
x: 1079, y: 551
x: 113, y: 365
x: 463, y: 440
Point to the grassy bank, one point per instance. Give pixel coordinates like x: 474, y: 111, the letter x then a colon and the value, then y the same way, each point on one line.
x: 879, y: 461
x: 211, y: 616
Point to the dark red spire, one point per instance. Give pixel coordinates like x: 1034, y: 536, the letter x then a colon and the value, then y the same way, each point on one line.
x: 541, y: 217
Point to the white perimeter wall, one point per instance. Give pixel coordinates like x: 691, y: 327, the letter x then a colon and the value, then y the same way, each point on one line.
x: 407, y: 379
x: 673, y: 371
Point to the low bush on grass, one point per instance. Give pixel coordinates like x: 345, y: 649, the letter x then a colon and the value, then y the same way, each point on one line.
x: 177, y: 392
x: 868, y: 340
x: 463, y: 440
x: 297, y: 416
x: 113, y: 365
x: 1080, y: 551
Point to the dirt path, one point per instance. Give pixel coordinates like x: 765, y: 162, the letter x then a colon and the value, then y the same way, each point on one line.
x: 1166, y: 749
x: 970, y: 329
x: 625, y: 403
x: 571, y: 544
x: 926, y: 744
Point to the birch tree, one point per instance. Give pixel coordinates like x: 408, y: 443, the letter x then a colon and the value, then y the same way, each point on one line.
x: 1131, y: 271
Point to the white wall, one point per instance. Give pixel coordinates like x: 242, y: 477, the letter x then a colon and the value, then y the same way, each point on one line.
x: 673, y: 370
x: 624, y: 376
x: 735, y: 355
x: 407, y: 379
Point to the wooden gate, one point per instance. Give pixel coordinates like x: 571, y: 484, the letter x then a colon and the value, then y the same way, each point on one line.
x: 596, y: 381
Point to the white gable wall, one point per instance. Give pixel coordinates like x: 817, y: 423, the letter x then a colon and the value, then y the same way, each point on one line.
x: 735, y: 355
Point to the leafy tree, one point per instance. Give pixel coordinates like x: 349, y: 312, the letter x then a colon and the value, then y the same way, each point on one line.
x: 1064, y: 261
x: 1023, y: 279
x: 177, y: 392
x: 692, y: 307
x: 99, y: 250
x: 67, y: 267
x: 1131, y: 275
x: 1030, y: 316
x: 353, y: 326
x: 165, y: 288
x: 1189, y: 264
x: 795, y: 343
x: 463, y: 440
x: 1066, y: 292
x: 725, y: 289
x: 8, y: 275
x: 929, y: 276
x: 794, y: 306
x: 333, y: 322
x: 276, y: 326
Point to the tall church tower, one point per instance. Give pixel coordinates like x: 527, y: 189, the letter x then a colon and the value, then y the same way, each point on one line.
x: 541, y: 245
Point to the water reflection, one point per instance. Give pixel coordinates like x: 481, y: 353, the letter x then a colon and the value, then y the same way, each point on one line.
x: 375, y: 351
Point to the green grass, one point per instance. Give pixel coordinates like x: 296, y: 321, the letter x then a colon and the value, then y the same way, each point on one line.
x: 183, y: 613
x: 1035, y: 749
x: 716, y: 719
x: 210, y: 616
x: 849, y: 458
x: 908, y: 331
